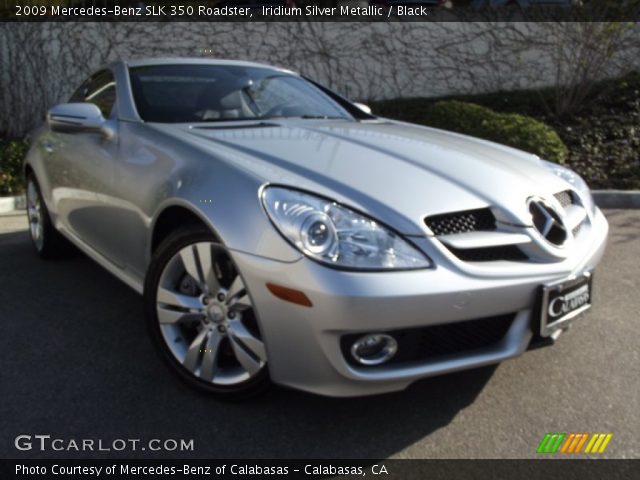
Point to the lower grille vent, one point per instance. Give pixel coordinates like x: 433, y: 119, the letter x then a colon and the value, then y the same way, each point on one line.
x: 436, y: 341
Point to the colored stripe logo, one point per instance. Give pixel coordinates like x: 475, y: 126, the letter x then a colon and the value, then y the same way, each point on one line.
x: 571, y: 443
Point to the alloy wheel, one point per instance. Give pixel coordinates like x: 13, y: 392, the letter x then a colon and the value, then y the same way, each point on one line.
x: 34, y: 213
x: 206, y: 316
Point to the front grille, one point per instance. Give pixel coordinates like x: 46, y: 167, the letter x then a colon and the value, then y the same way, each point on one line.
x: 473, y: 221
x: 565, y: 198
x: 509, y: 253
x: 437, y: 341
x: 461, y: 222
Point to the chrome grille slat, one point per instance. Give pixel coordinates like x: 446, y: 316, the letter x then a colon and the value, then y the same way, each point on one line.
x: 480, y: 239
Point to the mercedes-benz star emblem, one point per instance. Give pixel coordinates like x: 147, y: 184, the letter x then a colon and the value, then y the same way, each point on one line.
x: 548, y: 222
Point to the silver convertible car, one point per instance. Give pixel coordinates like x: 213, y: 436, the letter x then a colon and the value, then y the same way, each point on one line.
x: 279, y: 232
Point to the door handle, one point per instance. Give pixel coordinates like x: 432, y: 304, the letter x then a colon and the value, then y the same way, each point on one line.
x: 48, y: 147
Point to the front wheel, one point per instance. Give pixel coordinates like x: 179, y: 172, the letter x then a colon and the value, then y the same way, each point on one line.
x: 201, y: 317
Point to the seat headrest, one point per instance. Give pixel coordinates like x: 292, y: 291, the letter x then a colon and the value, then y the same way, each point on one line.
x: 232, y: 101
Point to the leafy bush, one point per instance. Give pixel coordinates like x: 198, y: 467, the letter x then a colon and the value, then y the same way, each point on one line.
x: 606, y: 151
x: 510, y: 129
x: 12, y: 154
x: 603, y: 138
x: 524, y: 102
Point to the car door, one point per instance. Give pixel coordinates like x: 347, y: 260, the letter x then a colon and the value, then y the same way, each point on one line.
x: 85, y: 161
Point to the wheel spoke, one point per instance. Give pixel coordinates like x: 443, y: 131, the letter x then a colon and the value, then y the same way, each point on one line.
x: 210, y: 358
x: 32, y: 195
x: 166, y: 316
x: 248, y: 349
x: 206, y: 267
x: 237, y: 297
x: 194, y: 353
x: 249, y: 363
x: 242, y: 303
x: 176, y: 299
x: 236, y: 288
x: 191, y: 264
x: 33, y: 213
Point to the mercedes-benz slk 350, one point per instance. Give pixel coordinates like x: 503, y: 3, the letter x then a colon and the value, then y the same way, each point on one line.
x: 279, y: 232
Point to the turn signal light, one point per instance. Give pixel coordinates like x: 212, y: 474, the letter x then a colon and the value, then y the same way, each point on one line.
x: 289, y: 295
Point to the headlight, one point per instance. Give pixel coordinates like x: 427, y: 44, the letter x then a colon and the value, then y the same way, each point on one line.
x: 576, y: 182
x: 335, y: 235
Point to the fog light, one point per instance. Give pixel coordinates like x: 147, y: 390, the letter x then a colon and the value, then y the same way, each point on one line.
x: 374, y: 349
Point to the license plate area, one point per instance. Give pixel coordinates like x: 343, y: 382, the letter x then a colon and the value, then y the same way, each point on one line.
x: 563, y: 301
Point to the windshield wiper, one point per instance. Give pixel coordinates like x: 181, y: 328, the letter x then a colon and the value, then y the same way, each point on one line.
x: 223, y: 120
x: 326, y: 117
x: 309, y: 117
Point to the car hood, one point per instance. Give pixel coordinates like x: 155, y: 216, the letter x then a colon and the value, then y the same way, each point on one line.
x: 398, y: 173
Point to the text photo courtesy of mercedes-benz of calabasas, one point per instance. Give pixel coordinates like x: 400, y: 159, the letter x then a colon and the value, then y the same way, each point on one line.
x: 281, y: 233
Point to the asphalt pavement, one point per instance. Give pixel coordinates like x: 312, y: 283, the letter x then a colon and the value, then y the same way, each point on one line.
x: 76, y: 363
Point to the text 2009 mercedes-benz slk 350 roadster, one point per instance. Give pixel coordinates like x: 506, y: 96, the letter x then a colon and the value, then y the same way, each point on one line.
x: 280, y: 232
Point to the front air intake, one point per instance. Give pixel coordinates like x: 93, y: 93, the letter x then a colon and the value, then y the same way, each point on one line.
x: 461, y: 222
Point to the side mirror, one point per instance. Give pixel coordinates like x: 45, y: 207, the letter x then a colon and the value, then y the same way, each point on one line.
x: 76, y: 118
x: 363, y: 107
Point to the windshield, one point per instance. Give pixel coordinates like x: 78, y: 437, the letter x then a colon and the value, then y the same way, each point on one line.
x: 218, y: 93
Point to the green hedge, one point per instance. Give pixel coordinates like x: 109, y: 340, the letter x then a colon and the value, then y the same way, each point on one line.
x: 606, y: 150
x: 603, y: 137
x: 511, y: 129
x: 12, y: 153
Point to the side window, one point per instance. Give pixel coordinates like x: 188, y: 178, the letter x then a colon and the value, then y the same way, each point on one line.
x: 100, y: 90
x: 104, y: 99
x: 78, y: 95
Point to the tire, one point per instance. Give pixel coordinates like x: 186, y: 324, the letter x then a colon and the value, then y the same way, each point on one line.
x: 47, y: 241
x: 201, y: 318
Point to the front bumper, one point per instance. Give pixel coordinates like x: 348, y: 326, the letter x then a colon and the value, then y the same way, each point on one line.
x: 303, y: 343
